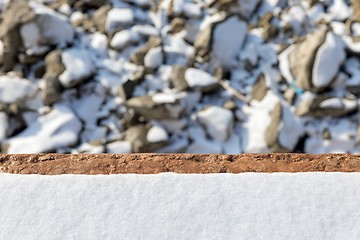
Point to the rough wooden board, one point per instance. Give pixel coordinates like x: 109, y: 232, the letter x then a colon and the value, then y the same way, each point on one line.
x: 53, y: 164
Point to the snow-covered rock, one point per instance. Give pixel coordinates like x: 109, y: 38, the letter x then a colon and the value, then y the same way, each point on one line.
x: 119, y: 147
x: 14, y: 89
x: 78, y: 67
x: 157, y: 134
x: 217, y: 121
x: 154, y: 58
x: 328, y: 60
x: 224, y: 47
x: 123, y: 39
x: 59, y: 128
x: 196, y: 78
x: 118, y: 17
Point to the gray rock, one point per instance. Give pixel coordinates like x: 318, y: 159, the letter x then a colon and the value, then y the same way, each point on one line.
x: 138, y: 56
x: 54, y: 67
x: 147, y: 108
x: 212, y: 41
x: 138, y: 137
x: 302, y: 59
x: 126, y: 89
x: 356, y: 10
x: 326, y: 105
x: 17, y: 13
x: 310, y: 61
x: 177, y: 78
x: 259, y: 89
x: 100, y: 16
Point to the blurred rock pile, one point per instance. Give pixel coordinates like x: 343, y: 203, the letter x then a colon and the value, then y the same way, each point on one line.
x: 198, y: 76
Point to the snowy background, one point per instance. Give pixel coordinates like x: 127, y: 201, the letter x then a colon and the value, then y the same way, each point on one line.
x: 196, y: 76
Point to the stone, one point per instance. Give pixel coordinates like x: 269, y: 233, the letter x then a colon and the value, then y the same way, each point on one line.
x: 52, y: 90
x: 4, y: 125
x: 123, y: 39
x: 213, y: 40
x: 217, y: 121
x: 53, y: 63
x: 138, y: 137
x: 126, y: 89
x: 16, y: 90
x: 59, y: 128
x: 147, y: 108
x: 225, y: 48
x: 119, y: 147
x: 328, y: 60
x: 138, y: 56
x: 53, y: 27
x: 302, y: 59
x: 327, y: 105
x: 271, y: 126
x: 198, y: 79
x: 154, y: 58
x: 177, y: 78
x: 17, y: 13
x: 118, y: 18
x: 355, y: 5
x: 78, y: 67
x: 157, y: 134
x: 100, y: 17
x: 259, y: 89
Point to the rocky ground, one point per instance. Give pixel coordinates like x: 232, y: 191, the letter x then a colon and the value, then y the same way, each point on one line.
x: 187, y: 76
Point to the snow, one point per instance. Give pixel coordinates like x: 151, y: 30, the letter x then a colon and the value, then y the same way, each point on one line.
x: 171, y: 206
x: 146, y: 30
x: 123, y: 39
x: 257, y: 124
x: 54, y: 26
x: 340, y: 11
x: 15, y: 89
x: 119, y: 147
x: 226, y: 48
x: 331, y: 103
x: 154, y: 58
x: 191, y: 10
x: 204, y: 146
x: 59, y: 128
x: 291, y: 129
x: 217, y: 121
x: 198, y: 78
x: 4, y: 125
x: 157, y: 134
x: 78, y: 66
x: 233, y: 145
x: 328, y: 60
x: 118, y: 17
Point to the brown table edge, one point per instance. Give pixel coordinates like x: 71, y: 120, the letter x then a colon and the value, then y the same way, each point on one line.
x: 151, y: 163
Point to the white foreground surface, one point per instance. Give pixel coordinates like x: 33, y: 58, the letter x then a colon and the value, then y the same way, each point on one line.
x: 170, y: 206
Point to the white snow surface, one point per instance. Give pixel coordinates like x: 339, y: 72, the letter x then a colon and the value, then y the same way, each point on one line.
x: 275, y: 206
